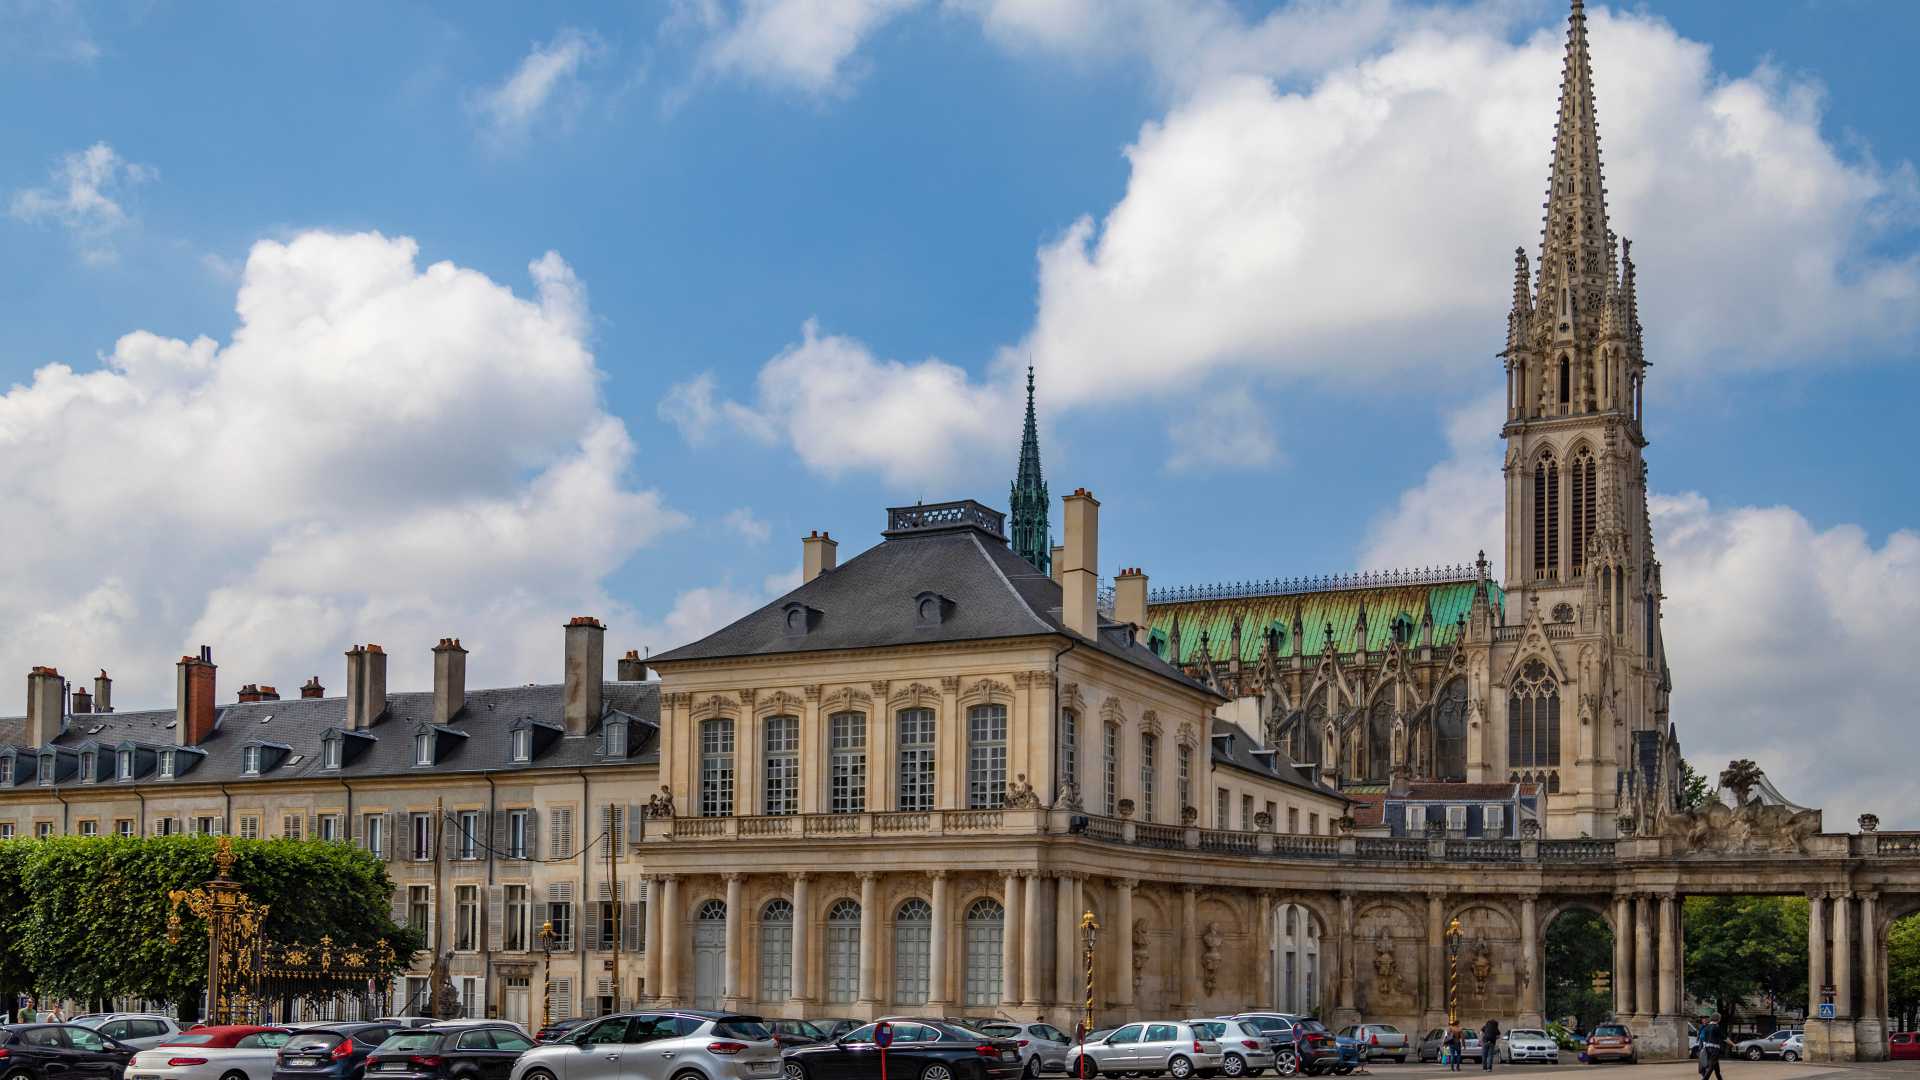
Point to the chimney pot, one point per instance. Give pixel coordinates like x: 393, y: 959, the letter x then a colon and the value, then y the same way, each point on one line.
x: 193, y: 705
x: 46, y: 704
x: 449, y: 680
x: 819, y: 553
x: 631, y: 668
x: 1130, y: 600
x: 313, y: 689
x: 82, y: 701
x: 249, y: 693
x: 366, y: 686
x: 1080, y: 577
x: 102, y: 692
x: 585, y: 673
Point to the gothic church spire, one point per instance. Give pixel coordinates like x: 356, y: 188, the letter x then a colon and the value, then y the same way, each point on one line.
x: 1573, y: 244
x: 1032, y: 538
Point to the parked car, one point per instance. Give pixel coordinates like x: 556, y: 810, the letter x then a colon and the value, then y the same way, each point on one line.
x: 1764, y: 1047
x: 138, y: 1030
x: 1526, y: 1044
x: 1384, y: 1042
x: 217, y: 1052
x: 1156, y: 1046
x: 1244, y: 1048
x: 558, y: 1029
x: 836, y: 1026
x: 925, y: 1048
x: 1796, y: 1047
x: 795, y: 1032
x: 487, y: 1050
x: 1903, y: 1046
x: 334, y: 1052
x: 680, y: 1044
x: 61, y: 1052
x: 1043, y: 1047
x: 1611, y: 1042
x: 1432, y: 1042
x: 406, y: 1021
x: 1300, y: 1043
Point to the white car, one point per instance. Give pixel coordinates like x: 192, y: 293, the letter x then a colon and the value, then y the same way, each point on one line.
x: 1043, y: 1047
x: 1528, y: 1044
x: 138, y: 1030
x: 226, y: 1052
x: 1795, y: 1048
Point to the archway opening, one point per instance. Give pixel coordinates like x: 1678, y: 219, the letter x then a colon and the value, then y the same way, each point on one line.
x: 1297, y: 970
x: 1579, y: 969
x: 1903, y: 974
x: 1746, y: 959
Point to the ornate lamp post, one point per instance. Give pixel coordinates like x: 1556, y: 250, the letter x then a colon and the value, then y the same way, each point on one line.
x: 1453, y: 972
x: 546, y: 974
x: 233, y: 935
x: 1089, y: 936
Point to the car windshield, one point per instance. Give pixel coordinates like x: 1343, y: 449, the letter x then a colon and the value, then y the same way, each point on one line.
x: 411, y: 1040
x: 315, y: 1040
x: 741, y: 1027
x: 190, y: 1040
x: 1526, y: 1033
x: 1312, y: 1025
x: 1614, y: 1030
x: 1385, y: 1029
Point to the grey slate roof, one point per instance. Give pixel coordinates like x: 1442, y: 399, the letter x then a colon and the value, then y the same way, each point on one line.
x: 487, y: 722
x: 1233, y: 746
x: 870, y: 601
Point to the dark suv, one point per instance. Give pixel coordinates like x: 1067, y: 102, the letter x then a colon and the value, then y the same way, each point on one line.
x: 1313, y: 1048
x: 336, y: 1052
x: 463, y: 1052
x: 61, y: 1052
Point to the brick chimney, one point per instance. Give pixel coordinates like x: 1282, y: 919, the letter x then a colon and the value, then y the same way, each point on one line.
x: 102, y: 692
x: 819, y: 553
x: 46, y: 699
x: 1080, y: 578
x: 193, y: 708
x: 269, y: 693
x: 586, y: 670
x: 1130, y: 600
x: 82, y: 701
x: 249, y: 694
x: 366, y: 686
x: 631, y: 668
x: 449, y: 680
x: 313, y: 689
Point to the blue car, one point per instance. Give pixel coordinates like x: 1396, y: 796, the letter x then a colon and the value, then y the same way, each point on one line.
x: 1353, y: 1052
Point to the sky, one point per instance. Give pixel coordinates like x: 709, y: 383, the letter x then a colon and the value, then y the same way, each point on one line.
x: 363, y: 322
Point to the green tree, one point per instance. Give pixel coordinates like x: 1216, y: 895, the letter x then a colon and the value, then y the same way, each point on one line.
x: 93, y: 924
x: 1579, y: 949
x: 1903, y: 968
x: 1743, y: 947
x: 1693, y: 786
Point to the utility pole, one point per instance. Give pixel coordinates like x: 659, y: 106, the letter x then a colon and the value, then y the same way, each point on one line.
x: 619, y: 906
x: 439, y: 973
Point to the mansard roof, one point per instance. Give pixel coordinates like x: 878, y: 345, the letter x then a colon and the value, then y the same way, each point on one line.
x: 300, y: 724
x: 1314, y: 602
x: 869, y: 602
x: 1233, y: 746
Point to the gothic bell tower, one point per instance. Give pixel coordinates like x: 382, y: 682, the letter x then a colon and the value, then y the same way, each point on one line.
x: 1032, y: 538
x: 1580, y: 575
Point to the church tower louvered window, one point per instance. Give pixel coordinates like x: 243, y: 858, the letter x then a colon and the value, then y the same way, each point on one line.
x: 1546, y: 518
x: 1581, y: 491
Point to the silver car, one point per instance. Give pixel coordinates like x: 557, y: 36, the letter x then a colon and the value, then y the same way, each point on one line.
x: 1766, y: 1047
x: 141, y: 1030
x: 681, y: 1044
x: 1043, y: 1047
x: 1527, y: 1044
x: 1245, y: 1050
x: 1381, y: 1041
x: 1156, y: 1046
x: 1431, y: 1043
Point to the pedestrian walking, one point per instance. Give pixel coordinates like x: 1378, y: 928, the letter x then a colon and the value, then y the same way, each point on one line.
x: 1489, y: 1034
x: 1712, y: 1039
x: 1454, y: 1043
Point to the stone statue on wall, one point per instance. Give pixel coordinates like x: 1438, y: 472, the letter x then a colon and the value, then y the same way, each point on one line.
x: 1745, y: 815
x: 1211, y: 940
x: 1069, y: 797
x: 1386, y: 968
x: 1020, y: 794
x: 1140, y: 954
x: 661, y: 805
x: 1482, y: 966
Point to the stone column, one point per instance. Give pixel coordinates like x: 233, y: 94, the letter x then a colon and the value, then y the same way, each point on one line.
x: 1032, y: 988
x: 1263, y: 998
x: 869, y: 939
x: 802, y: 940
x: 672, y: 940
x: 1344, y: 949
x: 1843, y: 957
x: 736, y: 924
x: 1530, y: 1007
x: 1669, y: 958
x: 1623, y: 1006
x: 1011, y: 930
x: 1189, y: 949
x: 1870, y: 1030
x: 1121, y: 935
x: 1816, y: 950
x: 1066, y: 935
x: 650, y: 967
x: 1644, y: 1004
x: 1436, y: 1006
x: 939, y: 994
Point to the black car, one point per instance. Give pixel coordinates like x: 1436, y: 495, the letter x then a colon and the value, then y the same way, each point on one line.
x: 836, y: 1026
x: 337, y: 1052
x: 1313, y: 1048
x: 922, y: 1049
x: 465, y: 1052
x: 558, y: 1030
x: 790, y: 1033
x: 61, y: 1052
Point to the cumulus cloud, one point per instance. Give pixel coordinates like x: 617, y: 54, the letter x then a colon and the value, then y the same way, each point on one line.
x: 382, y: 452
x: 82, y: 195
x: 1224, y: 430
x: 1458, y: 509
x: 53, y: 30
x: 804, y: 45
x: 544, y: 87
x: 747, y: 526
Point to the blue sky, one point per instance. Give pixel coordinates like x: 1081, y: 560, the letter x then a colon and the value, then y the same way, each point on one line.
x: 800, y: 250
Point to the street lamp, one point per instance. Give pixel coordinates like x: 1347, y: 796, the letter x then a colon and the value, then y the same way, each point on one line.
x: 546, y: 974
x: 1090, y: 936
x: 1453, y: 972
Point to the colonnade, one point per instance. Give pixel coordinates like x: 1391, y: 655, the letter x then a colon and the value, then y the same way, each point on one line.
x: 1649, y: 959
x: 1839, y: 925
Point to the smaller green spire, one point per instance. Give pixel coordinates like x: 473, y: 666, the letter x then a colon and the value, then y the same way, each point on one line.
x: 1032, y: 537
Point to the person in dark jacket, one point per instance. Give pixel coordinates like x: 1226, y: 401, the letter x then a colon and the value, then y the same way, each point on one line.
x: 1489, y: 1034
x: 1713, y: 1038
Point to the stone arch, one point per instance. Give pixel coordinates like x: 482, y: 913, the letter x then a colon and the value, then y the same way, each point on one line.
x: 1491, y: 955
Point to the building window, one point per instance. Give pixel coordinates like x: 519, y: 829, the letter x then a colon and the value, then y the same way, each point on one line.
x: 1110, y: 769
x: 613, y: 826
x: 776, y: 951
x: 469, y: 835
x: 1416, y: 820
x: 915, y: 753
x: 123, y: 765
x: 249, y: 827
x: 1069, y: 745
x: 43, y: 829
x: 1273, y: 815
x: 613, y: 738
x: 422, y: 837
x: 518, y: 822
x: 123, y: 828
x: 1221, y: 820
x: 6, y: 830
x: 523, y: 745
x: 1580, y: 489
x: 330, y: 752
x: 560, y: 915
x: 843, y: 951
x: 419, y: 909
x: 86, y: 767
x: 203, y: 826
x: 1450, y: 732
x: 980, y: 944
x: 514, y: 925
x: 166, y: 767
x: 250, y: 761
x: 1493, y: 820
x: 328, y: 826
x: 423, y: 749
x: 6, y: 770
x: 1246, y: 813
x: 560, y: 828
x: 1456, y: 819
x: 376, y: 834
x: 847, y: 763
x: 1149, y: 772
x: 716, y: 768
x: 1183, y: 779
x: 1546, y: 518
x: 606, y: 918
x: 1533, y: 718
x: 166, y: 827
x: 1313, y: 823
x: 1293, y: 819
x: 986, y: 757
x: 89, y: 827
x: 782, y: 764
x: 912, y: 949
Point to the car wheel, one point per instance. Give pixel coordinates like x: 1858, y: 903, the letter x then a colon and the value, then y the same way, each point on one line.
x: 936, y: 1071
x: 689, y: 1074
x: 234, y: 1074
x: 1286, y: 1063
x: 1179, y: 1068
x: 1234, y: 1065
x: 1033, y: 1068
x: 1789, y: 1055
x: 1755, y: 1053
x: 790, y: 1069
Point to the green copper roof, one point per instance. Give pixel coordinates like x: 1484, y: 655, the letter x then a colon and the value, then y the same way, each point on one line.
x: 1341, y: 607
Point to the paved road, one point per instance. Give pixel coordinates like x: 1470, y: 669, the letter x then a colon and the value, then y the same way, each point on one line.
x: 1675, y: 1070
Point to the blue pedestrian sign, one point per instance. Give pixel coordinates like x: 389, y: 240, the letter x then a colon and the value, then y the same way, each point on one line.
x: 883, y: 1034
x: 1826, y: 1010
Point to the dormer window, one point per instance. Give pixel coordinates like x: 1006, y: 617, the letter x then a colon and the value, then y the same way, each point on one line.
x: 523, y: 745
x: 800, y: 619
x: 123, y: 765
x: 86, y: 767
x: 613, y: 738
x: 931, y: 609
x: 423, y: 749
x: 46, y: 770
x: 250, y: 761
x: 166, y: 764
x: 330, y: 752
x: 6, y: 770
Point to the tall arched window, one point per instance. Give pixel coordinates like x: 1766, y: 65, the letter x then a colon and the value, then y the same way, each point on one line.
x: 1149, y: 772
x: 1450, y: 732
x: 1546, y: 517
x: 986, y: 757
x: 843, y: 951
x: 1566, y: 381
x: 781, y: 751
x: 1110, y: 767
x: 1069, y: 745
x: 1312, y: 731
x: 914, y: 751
x: 980, y: 937
x: 1533, y: 718
x: 776, y: 950
x: 716, y: 768
x: 912, y: 950
x: 1581, y: 490
x: 1183, y: 780
x: 1380, y: 737
x: 847, y: 763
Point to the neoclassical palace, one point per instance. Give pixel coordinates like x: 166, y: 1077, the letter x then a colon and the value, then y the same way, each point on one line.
x: 903, y: 785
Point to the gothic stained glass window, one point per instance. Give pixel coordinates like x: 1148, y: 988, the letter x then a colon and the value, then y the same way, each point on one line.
x: 1450, y: 732
x: 1533, y: 718
x: 1380, y: 737
x: 1307, y: 736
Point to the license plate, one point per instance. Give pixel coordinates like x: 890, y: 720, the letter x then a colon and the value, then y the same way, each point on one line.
x: 1008, y: 1055
x: 763, y: 1066
x: 393, y: 1066
x: 302, y: 1063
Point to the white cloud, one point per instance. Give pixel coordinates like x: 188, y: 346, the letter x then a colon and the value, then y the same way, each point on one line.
x: 53, y: 30
x: 82, y: 193
x: 382, y: 452
x: 1458, y: 509
x: 544, y: 88
x: 802, y: 45
x: 1224, y: 430
x: 750, y: 528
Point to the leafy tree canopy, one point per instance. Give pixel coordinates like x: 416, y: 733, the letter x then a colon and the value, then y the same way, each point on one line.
x: 1693, y: 786
x: 1579, y: 948
x: 1903, y: 966
x: 1742, y: 947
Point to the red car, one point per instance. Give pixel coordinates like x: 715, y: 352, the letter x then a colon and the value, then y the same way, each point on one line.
x: 1611, y: 1042
x: 1904, y: 1046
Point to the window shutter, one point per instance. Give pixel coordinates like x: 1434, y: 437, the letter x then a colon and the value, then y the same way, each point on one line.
x: 590, y: 929
x: 533, y: 835
x: 496, y: 916
x: 220, y: 826
x: 562, y: 824
x: 313, y: 827
x: 400, y: 905
x: 399, y: 835
x: 482, y: 828
x: 613, y: 820
x: 634, y: 931
x: 562, y: 893
x: 499, y: 827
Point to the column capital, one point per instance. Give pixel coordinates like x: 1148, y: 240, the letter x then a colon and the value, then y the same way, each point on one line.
x: 665, y: 879
x: 1028, y: 873
x: 1190, y: 889
x: 801, y: 875
x: 1127, y: 883
x: 1868, y: 897
x: 733, y: 877
x: 868, y: 876
x: 937, y: 875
